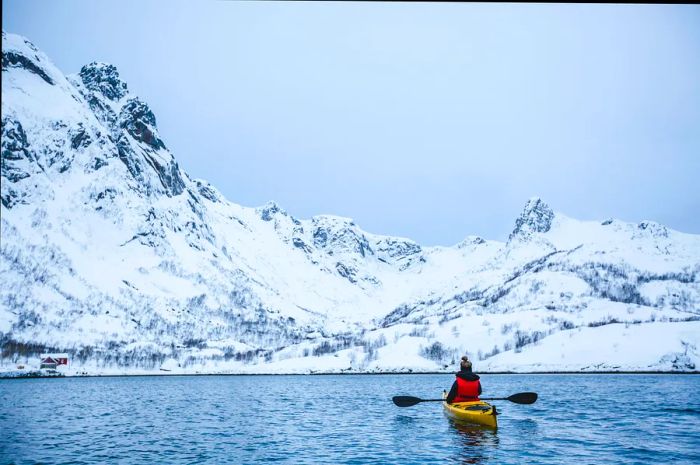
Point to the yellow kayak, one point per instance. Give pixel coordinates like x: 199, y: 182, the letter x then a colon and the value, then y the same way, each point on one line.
x: 478, y: 412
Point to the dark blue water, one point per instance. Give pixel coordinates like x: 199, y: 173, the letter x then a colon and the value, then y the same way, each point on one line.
x: 582, y: 419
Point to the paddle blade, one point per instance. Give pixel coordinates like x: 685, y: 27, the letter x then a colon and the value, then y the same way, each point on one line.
x: 405, y: 401
x: 523, y: 398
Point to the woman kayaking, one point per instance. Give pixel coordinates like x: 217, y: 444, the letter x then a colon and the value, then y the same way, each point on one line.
x: 462, y: 404
x: 466, y: 387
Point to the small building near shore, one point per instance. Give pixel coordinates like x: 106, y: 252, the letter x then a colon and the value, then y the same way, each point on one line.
x: 53, y: 361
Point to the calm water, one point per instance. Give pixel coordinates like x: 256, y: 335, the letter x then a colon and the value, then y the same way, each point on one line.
x: 582, y: 419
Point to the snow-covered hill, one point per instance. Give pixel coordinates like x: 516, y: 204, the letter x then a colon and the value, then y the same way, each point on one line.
x: 112, y: 253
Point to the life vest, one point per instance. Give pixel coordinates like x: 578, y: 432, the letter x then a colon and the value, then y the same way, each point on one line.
x: 467, y: 391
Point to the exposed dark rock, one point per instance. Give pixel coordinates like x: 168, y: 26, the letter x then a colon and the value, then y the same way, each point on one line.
x: 135, y: 163
x: 11, y: 196
x: 140, y: 122
x: 410, y: 261
x: 206, y: 191
x: 55, y: 156
x: 17, y: 60
x: 399, y: 313
x: 397, y: 248
x: 79, y: 137
x: 14, y: 140
x: 103, y: 78
x: 98, y: 163
x: 339, y: 239
x: 654, y: 229
x: 269, y: 210
x: 536, y: 217
x: 14, y: 149
x: 363, y: 246
x: 320, y: 237
x: 129, y: 158
x: 106, y: 195
x: 300, y: 244
x: 169, y: 175
x: 12, y: 173
x: 346, y: 272
x: 103, y: 112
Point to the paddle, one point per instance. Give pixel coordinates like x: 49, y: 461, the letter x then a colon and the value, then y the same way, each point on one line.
x: 520, y: 398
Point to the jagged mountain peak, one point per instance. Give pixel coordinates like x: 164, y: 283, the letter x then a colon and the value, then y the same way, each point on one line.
x: 103, y: 78
x: 536, y: 217
x: 49, y: 120
x: 339, y: 234
x: 471, y: 241
x: 111, y: 252
x: 19, y: 52
x: 653, y: 228
x: 12, y: 41
x: 398, y: 250
x: 334, y: 220
x: 269, y: 210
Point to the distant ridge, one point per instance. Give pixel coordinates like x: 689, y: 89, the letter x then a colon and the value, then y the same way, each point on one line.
x: 111, y: 253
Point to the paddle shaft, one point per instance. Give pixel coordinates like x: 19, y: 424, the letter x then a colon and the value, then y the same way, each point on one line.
x: 480, y: 398
x: 520, y: 398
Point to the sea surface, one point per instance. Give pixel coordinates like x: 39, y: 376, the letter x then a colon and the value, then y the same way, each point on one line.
x: 578, y: 419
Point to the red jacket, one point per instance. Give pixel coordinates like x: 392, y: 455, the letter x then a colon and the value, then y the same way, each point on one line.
x: 466, y: 388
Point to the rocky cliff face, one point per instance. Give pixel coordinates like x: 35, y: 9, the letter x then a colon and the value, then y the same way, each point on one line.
x: 103, y: 79
x: 110, y: 252
x: 536, y: 218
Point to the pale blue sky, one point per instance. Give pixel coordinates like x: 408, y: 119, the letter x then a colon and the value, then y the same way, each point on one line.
x: 430, y: 121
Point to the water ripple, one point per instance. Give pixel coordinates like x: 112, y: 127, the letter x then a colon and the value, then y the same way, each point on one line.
x: 612, y: 419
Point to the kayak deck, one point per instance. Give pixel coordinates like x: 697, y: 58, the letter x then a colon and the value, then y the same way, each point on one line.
x: 477, y: 412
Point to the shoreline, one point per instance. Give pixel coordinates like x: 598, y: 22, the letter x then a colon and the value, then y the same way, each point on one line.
x: 497, y: 373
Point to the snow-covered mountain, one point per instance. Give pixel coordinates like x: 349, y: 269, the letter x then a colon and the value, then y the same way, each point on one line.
x: 112, y: 253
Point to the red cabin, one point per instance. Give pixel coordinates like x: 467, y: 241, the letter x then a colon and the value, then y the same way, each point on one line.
x: 53, y: 360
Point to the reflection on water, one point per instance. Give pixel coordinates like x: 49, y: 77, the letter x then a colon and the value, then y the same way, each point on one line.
x: 526, y: 425
x: 345, y: 420
x: 404, y: 420
x: 477, y: 443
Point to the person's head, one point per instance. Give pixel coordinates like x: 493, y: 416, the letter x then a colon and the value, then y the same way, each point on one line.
x: 465, y: 364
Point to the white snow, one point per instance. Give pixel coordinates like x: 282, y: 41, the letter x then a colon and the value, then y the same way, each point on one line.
x: 99, y: 257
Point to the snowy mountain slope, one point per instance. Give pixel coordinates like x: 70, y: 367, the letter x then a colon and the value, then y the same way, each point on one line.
x: 112, y: 253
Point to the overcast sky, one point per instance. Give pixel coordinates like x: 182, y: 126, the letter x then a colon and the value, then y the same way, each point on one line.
x: 429, y: 121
